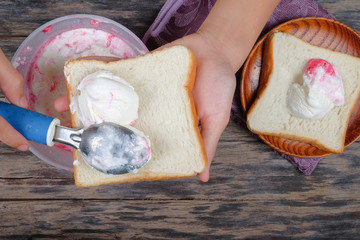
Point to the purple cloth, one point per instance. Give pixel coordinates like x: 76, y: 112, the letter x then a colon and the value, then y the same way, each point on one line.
x: 179, y: 18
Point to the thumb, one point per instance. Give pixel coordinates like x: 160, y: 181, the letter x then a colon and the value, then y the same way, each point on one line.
x: 11, y: 82
x: 211, y: 132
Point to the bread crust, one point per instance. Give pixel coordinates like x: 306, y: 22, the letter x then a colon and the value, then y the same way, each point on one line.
x: 189, y: 85
x: 266, y: 71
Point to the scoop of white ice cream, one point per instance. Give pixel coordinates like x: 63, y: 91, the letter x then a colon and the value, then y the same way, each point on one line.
x: 322, y: 89
x: 106, y: 97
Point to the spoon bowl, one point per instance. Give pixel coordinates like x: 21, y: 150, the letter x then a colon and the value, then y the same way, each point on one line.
x: 114, y: 149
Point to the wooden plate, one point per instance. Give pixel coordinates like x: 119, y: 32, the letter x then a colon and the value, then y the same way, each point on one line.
x: 323, y: 32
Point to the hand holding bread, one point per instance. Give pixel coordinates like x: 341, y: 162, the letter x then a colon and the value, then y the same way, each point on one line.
x: 213, y: 92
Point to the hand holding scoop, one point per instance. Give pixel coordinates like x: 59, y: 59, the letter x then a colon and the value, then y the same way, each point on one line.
x: 107, y: 147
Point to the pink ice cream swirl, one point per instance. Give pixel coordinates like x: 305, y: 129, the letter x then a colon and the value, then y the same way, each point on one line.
x: 325, y: 78
x: 321, y: 90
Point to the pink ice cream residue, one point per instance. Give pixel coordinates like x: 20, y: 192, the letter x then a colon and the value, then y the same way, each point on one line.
x: 94, y: 22
x: 47, y: 29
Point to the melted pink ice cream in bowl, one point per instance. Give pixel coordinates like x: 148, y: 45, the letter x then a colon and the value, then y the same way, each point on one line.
x: 41, y: 57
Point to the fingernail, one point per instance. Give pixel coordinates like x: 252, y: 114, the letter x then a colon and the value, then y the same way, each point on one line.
x: 23, y: 147
x: 23, y: 102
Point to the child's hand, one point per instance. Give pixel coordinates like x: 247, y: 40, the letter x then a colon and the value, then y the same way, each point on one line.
x: 221, y: 46
x: 11, y: 84
x: 213, y: 91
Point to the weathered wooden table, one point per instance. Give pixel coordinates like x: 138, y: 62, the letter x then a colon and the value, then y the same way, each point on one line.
x: 253, y: 192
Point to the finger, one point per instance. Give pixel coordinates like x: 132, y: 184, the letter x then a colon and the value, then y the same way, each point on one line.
x: 211, y: 132
x: 205, y: 175
x: 11, y: 137
x: 210, y: 139
x: 11, y: 82
x: 61, y: 104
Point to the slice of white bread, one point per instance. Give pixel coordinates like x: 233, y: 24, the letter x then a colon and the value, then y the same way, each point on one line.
x: 284, y: 62
x: 164, y: 80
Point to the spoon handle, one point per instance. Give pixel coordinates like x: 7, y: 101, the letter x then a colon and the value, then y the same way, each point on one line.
x: 33, y: 126
x: 68, y: 136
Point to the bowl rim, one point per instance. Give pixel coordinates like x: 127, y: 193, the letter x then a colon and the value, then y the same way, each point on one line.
x: 70, y: 17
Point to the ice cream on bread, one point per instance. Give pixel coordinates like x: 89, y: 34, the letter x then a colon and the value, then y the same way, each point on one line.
x: 163, y: 80
x: 285, y: 59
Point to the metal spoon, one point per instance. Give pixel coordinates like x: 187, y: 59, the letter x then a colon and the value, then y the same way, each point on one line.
x: 107, y: 147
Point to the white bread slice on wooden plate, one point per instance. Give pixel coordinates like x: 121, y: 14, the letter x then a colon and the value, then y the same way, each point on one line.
x: 164, y: 80
x: 284, y: 61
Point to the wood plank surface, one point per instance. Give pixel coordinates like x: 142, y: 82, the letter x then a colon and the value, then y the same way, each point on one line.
x: 118, y: 219
x: 253, y: 192
x: 244, y: 169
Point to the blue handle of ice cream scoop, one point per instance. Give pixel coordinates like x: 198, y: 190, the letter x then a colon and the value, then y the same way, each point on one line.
x: 33, y: 126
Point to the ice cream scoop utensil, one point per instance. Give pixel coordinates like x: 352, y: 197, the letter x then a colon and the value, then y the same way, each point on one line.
x: 107, y: 147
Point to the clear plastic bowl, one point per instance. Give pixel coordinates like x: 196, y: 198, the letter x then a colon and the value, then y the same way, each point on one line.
x: 25, y: 54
